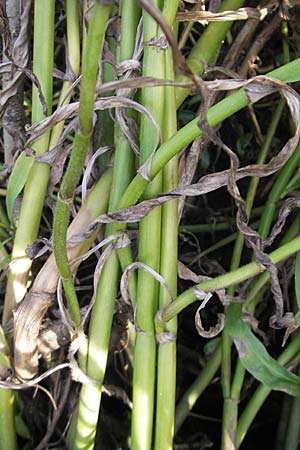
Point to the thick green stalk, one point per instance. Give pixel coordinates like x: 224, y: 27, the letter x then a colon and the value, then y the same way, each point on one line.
x: 73, y: 40
x: 166, y: 364
x: 149, y: 254
x: 207, y: 48
x: 102, y: 314
x: 8, y: 437
x: 36, y: 185
x: 93, y: 47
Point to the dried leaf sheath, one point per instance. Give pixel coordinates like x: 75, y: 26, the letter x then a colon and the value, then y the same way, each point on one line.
x: 28, y: 318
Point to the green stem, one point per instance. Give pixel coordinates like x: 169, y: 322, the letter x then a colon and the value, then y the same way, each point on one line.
x: 8, y: 437
x: 73, y: 39
x: 149, y: 254
x: 36, y: 185
x: 93, y: 47
x: 166, y: 363
x: 102, y: 313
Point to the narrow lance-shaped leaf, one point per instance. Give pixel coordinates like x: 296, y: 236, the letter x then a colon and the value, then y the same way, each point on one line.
x: 257, y: 360
x: 17, y: 181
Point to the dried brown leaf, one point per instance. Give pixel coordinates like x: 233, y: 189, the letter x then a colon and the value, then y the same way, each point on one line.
x: 239, y: 14
x: 139, y: 265
x: 71, y: 110
x: 213, y: 331
x: 19, y: 56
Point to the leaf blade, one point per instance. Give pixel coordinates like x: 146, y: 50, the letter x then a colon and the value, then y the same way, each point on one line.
x: 17, y: 181
x: 257, y: 361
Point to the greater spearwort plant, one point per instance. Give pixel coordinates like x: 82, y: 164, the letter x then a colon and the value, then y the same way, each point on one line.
x: 102, y: 268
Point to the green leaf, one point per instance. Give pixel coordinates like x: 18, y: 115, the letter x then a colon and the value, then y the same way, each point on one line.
x: 5, y: 262
x: 21, y: 427
x: 17, y: 181
x: 257, y: 360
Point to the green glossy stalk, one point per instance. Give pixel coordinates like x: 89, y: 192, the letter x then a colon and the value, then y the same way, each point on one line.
x: 8, y: 437
x: 36, y: 185
x: 166, y: 362
x: 102, y: 313
x: 93, y: 47
x: 73, y: 40
x: 148, y: 253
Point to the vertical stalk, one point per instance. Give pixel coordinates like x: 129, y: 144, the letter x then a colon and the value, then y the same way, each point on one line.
x: 102, y: 314
x: 149, y: 253
x: 8, y: 437
x: 166, y: 363
x: 73, y: 40
x: 93, y: 47
x: 35, y: 189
